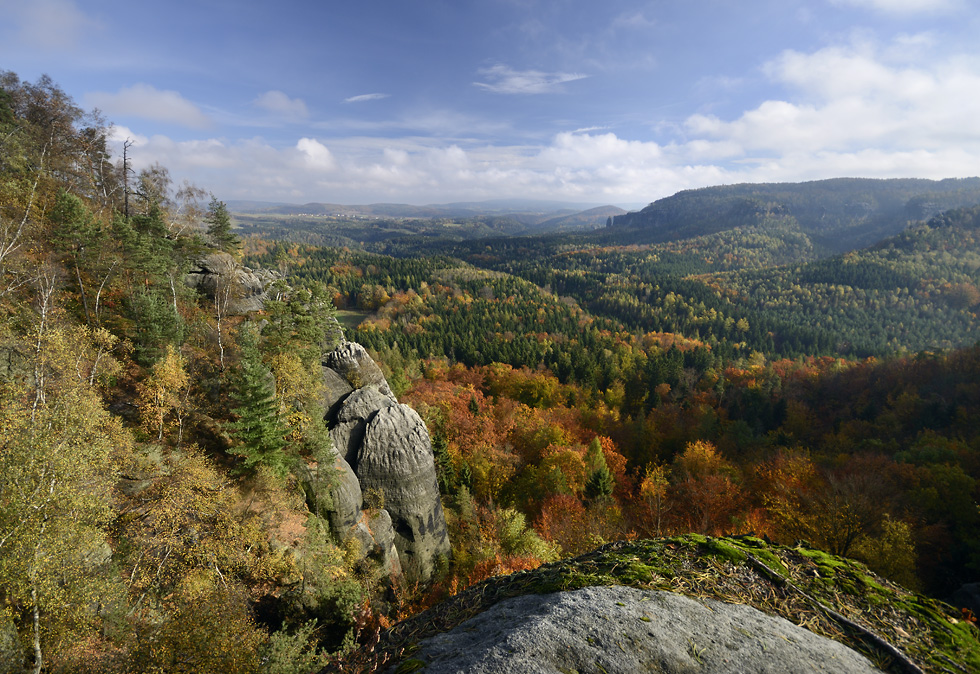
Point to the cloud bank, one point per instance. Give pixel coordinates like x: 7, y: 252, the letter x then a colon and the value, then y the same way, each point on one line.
x: 853, y: 110
x: 147, y: 102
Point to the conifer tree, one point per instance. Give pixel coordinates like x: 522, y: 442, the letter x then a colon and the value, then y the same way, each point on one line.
x: 219, y: 227
x: 258, y: 431
x: 600, y: 482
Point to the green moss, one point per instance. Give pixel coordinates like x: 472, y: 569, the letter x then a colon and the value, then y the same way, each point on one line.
x: 925, y: 629
x: 821, y: 558
x: 759, y: 549
x: 722, y: 548
x: 410, y: 665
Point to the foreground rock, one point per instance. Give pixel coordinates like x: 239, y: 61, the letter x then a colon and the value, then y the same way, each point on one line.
x: 385, y: 493
x: 754, y: 607
x: 622, y: 630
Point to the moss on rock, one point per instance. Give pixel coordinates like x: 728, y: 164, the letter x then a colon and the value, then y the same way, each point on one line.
x: 811, y: 588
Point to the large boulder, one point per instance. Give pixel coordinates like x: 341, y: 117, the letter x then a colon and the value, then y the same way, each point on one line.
x: 742, y: 596
x: 623, y: 630
x: 352, y: 363
x: 396, y: 462
x: 220, y: 276
x: 384, y: 489
x: 350, y: 423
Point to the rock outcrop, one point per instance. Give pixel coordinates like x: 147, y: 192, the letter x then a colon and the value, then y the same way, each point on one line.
x: 682, y: 604
x: 622, y: 630
x: 219, y: 275
x: 384, y: 490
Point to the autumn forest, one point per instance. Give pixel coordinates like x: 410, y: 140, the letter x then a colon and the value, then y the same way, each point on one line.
x: 791, y: 362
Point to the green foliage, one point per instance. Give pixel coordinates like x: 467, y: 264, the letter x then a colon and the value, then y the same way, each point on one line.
x: 600, y: 483
x: 302, y: 321
x: 292, y: 652
x: 259, y: 435
x: 517, y: 538
x: 891, y: 553
x: 329, y: 593
x: 156, y: 325
x: 56, y: 479
x: 219, y: 229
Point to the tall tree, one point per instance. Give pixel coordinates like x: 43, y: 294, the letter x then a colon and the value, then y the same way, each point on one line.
x: 259, y: 433
x: 599, y: 484
x: 219, y: 227
x: 58, y: 451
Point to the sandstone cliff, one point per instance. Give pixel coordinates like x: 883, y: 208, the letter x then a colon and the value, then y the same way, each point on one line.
x: 384, y: 490
x: 241, y: 289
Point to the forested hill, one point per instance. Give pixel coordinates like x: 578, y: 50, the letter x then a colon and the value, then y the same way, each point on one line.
x: 840, y: 214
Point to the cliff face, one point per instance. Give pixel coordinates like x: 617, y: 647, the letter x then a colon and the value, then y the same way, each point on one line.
x: 683, y: 604
x: 219, y: 277
x: 384, y: 490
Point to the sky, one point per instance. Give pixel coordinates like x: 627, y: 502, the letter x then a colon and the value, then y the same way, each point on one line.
x: 434, y: 101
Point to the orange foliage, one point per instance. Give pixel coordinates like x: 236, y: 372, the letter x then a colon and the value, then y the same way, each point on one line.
x: 562, y: 521
x: 501, y: 566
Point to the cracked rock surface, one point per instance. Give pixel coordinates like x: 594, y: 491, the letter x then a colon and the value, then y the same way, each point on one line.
x: 624, y: 630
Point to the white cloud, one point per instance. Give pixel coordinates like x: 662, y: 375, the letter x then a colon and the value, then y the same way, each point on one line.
x: 278, y: 103
x: 848, y: 100
x: 47, y: 24
x: 858, y: 110
x: 506, y: 80
x: 148, y: 102
x: 365, y: 97
x: 317, y: 154
x: 904, y: 6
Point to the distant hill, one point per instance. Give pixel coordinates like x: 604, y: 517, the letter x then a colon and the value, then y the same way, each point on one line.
x: 532, y: 211
x: 917, y: 290
x: 402, y: 224
x: 590, y: 219
x: 840, y: 214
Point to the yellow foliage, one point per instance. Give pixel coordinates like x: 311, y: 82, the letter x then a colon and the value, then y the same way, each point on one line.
x: 699, y: 459
x: 209, y: 630
x: 164, y: 395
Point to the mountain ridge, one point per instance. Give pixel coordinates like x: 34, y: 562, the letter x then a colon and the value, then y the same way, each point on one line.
x: 839, y: 213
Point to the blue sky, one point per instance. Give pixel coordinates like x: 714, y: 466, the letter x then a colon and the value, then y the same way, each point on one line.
x: 432, y: 101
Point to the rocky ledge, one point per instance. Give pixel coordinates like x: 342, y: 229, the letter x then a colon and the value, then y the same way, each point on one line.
x: 220, y: 277
x: 683, y: 604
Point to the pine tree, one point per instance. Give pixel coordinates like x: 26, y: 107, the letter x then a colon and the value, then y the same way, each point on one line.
x: 259, y: 435
x: 600, y: 482
x: 219, y: 227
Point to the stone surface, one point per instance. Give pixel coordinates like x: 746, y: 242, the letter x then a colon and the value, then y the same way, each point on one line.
x: 220, y: 270
x: 351, y: 361
x: 335, y: 390
x: 376, y: 533
x: 396, y: 461
x: 623, y: 630
x: 352, y: 418
x: 345, y: 493
x: 395, y: 512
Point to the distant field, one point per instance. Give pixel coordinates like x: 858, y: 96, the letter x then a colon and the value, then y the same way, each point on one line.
x: 351, y: 319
